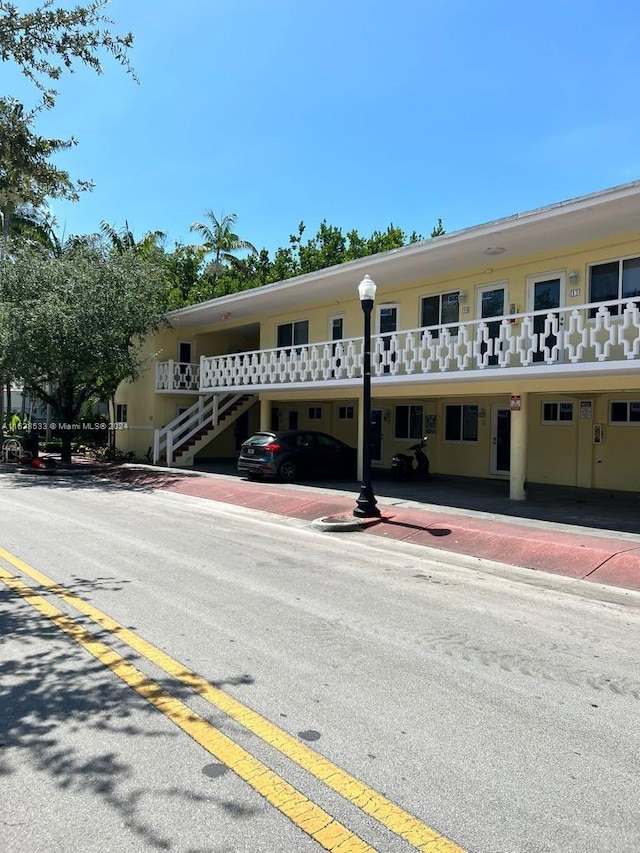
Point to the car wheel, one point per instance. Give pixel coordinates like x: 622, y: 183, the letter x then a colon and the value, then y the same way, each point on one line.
x: 288, y: 471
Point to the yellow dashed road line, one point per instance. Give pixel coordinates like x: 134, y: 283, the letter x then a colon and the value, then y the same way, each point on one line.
x: 313, y: 820
x: 388, y: 814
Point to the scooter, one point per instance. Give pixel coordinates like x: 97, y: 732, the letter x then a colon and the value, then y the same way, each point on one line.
x: 402, y: 466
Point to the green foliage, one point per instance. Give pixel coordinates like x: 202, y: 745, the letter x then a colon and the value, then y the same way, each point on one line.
x: 47, y: 41
x: 195, y: 281
x: 75, y: 323
x: 221, y: 241
x: 438, y: 230
x: 27, y: 177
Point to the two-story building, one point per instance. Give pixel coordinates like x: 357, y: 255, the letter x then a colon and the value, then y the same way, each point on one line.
x: 515, y: 345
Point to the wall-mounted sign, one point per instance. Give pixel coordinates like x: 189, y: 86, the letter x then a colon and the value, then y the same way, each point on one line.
x: 586, y: 410
x: 516, y: 403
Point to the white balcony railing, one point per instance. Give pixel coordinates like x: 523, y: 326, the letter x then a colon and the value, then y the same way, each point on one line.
x: 597, y: 333
x: 177, y: 376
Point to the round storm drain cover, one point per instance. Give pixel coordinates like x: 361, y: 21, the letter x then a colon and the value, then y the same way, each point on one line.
x: 215, y: 771
x: 337, y: 523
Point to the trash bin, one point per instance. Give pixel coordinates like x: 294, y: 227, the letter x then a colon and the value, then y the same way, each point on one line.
x: 30, y: 442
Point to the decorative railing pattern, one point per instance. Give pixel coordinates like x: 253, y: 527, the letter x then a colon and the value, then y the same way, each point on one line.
x: 599, y: 332
x: 177, y: 376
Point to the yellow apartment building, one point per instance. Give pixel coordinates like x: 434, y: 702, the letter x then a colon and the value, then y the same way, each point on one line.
x: 515, y: 345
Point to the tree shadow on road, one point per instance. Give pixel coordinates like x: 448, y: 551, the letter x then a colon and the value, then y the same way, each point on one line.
x: 66, y: 715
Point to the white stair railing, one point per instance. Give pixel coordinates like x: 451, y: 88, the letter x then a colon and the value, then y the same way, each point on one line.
x: 207, y: 411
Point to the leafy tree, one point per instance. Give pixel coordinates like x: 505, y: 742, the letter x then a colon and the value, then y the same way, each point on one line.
x: 228, y: 274
x: 26, y: 175
x: 50, y: 40
x: 75, y: 323
x: 437, y: 231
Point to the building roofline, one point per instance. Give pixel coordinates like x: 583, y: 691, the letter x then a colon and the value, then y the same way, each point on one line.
x: 369, y: 262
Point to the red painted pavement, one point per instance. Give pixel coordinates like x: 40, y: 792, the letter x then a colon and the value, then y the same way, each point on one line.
x: 573, y: 554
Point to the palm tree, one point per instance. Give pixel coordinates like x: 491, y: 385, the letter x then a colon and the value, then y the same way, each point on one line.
x: 123, y: 240
x: 221, y: 240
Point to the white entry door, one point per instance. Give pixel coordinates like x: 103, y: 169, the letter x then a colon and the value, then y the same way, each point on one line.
x: 500, y: 439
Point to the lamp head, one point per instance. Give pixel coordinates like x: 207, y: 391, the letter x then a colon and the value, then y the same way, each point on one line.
x: 367, y: 289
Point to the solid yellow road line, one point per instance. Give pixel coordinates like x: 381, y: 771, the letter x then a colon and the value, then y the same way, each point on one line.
x: 391, y: 816
x: 304, y: 813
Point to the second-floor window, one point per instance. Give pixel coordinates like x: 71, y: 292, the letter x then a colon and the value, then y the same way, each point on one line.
x: 336, y: 328
x: 440, y: 309
x: 293, y: 334
x: 614, y: 280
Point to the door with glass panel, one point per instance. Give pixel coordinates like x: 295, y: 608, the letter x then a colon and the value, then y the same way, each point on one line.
x: 544, y: 293
x: 500, y: 439
x: 387, y: 325
x: 492, y: 302
x: 439, y: 310
x: 336, y: 333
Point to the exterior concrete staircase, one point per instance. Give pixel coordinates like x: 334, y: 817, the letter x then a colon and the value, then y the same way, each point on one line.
x: 177, y: 443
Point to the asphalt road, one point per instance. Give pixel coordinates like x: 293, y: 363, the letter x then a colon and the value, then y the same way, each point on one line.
x: 487, y: 705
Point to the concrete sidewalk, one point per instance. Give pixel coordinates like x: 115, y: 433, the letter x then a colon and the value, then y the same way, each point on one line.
x: 589, y: 551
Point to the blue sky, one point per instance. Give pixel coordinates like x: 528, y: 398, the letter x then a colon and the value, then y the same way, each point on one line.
x: 363, y: 113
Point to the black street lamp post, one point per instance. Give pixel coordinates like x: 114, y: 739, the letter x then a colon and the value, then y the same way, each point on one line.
x: 366, y: 503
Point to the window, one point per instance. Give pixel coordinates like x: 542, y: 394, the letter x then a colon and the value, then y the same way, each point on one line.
x: 624, y: 412
x: 557, y: 413
x: 336, y: 328
x: 461, y: 423
x: 440, y: 309
x: 614, y: 280
x: 315, y: 413
x: 409, y: 420
x: 121, y: 413
x: 292, y: 419
x: 387, y: 319
x: 293, y: 334
x: 345, y: 413
x: 184, y: 352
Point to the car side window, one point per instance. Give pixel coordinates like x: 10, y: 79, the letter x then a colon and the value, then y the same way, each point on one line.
x: 327, y: 441
x: 304, y: 440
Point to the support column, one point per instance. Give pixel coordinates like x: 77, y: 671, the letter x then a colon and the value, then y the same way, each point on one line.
x: 265, y: 414
x: 519, y: 447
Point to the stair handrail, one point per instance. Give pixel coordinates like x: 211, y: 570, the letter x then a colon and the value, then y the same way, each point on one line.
x: 207, y: 409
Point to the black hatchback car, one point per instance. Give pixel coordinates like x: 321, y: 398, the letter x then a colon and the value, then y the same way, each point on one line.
x: 293, y: 454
